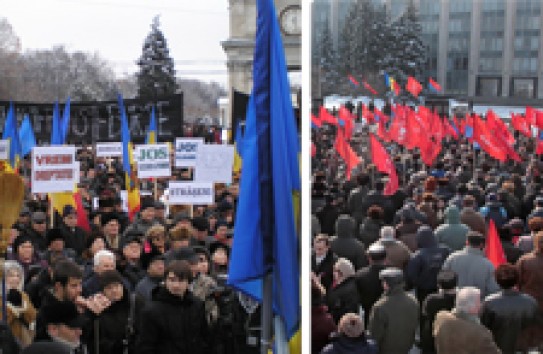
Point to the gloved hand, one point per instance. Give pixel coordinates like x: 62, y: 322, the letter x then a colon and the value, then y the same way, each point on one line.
x: 14, y: 297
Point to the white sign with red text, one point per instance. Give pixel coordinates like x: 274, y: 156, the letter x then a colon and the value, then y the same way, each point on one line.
x: 54, y: 169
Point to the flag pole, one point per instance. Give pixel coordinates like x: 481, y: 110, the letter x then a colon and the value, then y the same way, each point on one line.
x: 266, y: 311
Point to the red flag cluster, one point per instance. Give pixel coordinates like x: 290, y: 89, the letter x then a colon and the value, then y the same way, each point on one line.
x: 384, y: 164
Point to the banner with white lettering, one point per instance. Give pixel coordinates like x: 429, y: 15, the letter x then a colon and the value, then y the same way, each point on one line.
x: 109, y: 149
x: 4, y: 149
x: 214, y: 163
x: 53, y: 169
x: 153, y: 160
x: 190, y: 193
x: 186, y: 151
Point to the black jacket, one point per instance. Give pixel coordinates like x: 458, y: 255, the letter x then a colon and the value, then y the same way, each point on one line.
x: 74, y: 239
x: 431, y: 306
x: 342, y: 299
x: 369, y: 286
x: 505, y: 314
x: 172, y: 325
x: 369, y: 231
x: 377, y: 198
x: 346, y: 245
x: 325, y: 268
x: 341, y: 344
x: 38, y: 240
x: 36, y: 288
x: 327, y: 216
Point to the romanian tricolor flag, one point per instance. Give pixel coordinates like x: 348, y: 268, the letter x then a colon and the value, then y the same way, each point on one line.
x: 152, y: 132
x: 131, y: 180
x: 11, y: 133
x: 392, y: 84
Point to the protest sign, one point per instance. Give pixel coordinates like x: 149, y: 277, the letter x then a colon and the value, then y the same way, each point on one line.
x: 109, y: 149
x: 53, y: 169
x: 214, y: 164
x: 4, y: 149
x: 153, y: 160
x: 186, y: 151
x: 190, y: 193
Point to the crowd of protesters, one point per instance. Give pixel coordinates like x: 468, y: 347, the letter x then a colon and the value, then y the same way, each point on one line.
x: 391, y: 273
x: 154, y: 284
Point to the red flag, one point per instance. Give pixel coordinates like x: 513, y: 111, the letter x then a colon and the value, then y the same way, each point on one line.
x: 434, y: 84
x: 539, y: 119
x: 326, y: 117
x: 486, y: 140
x: 316, y: 120
x: 346, y: 152
x: 519, y: 123
x: 348, y: 120
x: 367, y: 115
x: 449, y: 130
x: 414, y: 130
x: 494, y: 250
x: 82, y: 219
x: 413, y: 86
x: 383, y: 163
x: 353, y: 80
x: 530, y: 116
x: 429, y: 151
x: 313, y: 149
x: 369, y: 88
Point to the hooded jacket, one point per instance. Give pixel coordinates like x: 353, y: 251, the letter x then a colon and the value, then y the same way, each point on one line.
x: 452, y: 233
x: 426, y: 263
x: 346, y: 245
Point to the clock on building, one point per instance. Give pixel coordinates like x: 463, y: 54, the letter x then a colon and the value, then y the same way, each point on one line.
x: 290, y: 20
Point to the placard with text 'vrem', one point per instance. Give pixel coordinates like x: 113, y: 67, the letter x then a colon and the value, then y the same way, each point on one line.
x: 54, y: 169
x: 153, y: 160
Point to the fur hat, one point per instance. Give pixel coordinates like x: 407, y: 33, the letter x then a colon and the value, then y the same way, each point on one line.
x: 351, y: 325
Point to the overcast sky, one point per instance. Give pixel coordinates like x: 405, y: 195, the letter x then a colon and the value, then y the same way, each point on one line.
x: 116, y: 30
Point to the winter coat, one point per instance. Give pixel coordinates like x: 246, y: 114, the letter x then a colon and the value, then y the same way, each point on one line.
x: 325, y: 269
x: 342, y: 344
x: 346, y: 245
x: 512, y: 252
x: 431, y: 306
x: 407, y: 233
x: 132, y: 273
x: 172, y: 325
x: 342, y: 299
x: 328, y: 216
x: 322, y: 325
x: 38, y: 240
x: 506, y: 314
x: 74, y: 238
x: 473, y: 269
x: 398, y: 254
x: 531, y: 283
x: 369, y: 286
x: 431, y: 214
x: 8, y: 343
x: 112, y: 325
x: 203, y: 287
x: 355, y: 203
x: 454, y: 333
x: 426, y: 263
x: 474, y: 220
x: 452, y: 233
x: 36, y: 288
x: 138, y: 225
x: 369, y: 231
x: 394, y: 320
x: 21, y: 320
x: 146, y: 286
x: 377, y: 198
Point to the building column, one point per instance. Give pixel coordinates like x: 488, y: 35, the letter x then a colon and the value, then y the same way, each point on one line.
x: 508, y: 47
x: 475, y: 44
x: 443, y: 37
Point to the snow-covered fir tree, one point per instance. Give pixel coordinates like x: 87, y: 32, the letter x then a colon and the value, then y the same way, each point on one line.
x: 327, y: 60
x: 156, y: 76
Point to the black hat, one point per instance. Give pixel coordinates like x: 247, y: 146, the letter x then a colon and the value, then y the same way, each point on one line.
x: 159, y: 205
x: 107, y: 217
x: 147, y: 258
x: 90, y: 240
x: 19, y: 240
x: 38, y: 217
x: 200, y: 223
x: 392, y: 276
x: 201, y: 250
x: 183, y: 254
x: 128, y: 239
x: 54, y: 234
x: 109, y: 277
x: 146, y: 203
x: 106, y: 202
x: 221, y: 223
x: 68, y: 210
x: 216, y: 245
x: 63, y: 312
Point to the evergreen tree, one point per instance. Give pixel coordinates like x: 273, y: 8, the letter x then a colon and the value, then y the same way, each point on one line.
x: 328, y: 60
x: 157, y: 74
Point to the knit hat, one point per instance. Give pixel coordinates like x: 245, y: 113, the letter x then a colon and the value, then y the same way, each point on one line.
x: 54, y: 234
x: 109, y: 277
x: 351, y: 325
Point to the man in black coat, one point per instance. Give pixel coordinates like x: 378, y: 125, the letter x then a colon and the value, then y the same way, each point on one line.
x: 346, y: 245
x: 342, y: 297
x: 376, y: 197
x: 38, y: 230
x: 442, y: 300
x: 174, y: 322
x: 323, y: 260
x: 74, y: 236
x: 509, y: 311
x: 368, y: 284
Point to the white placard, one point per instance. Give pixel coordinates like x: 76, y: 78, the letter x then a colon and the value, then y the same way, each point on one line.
x: 53, y: 169
x: 124, y: 200
x: 77, y: 169
x: 153, y: 160
x: 190, y: 193
x: 214, y: 164
x: 109, y: 149
x: 4, y: 149
x: 186, y: 150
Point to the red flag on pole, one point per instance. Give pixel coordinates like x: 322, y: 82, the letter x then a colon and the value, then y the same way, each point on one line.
x: 316, y: 121
x: 369, y: 88
x: 346, y: 152
x: 353, y: 80
x: 413, y: 86
x: 383, y: 163
x: 494, y: 250
x: 326, y: 117
x: 82, y: 219
x: 434, y: 84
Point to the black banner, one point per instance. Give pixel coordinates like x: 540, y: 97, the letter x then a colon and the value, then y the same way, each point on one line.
x: 92, y: 122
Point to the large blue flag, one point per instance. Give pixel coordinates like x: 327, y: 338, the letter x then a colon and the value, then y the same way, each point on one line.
x: 56, y: 129
x: 26, y: 136
x: 265, y: 237
x: 65, y: 122
x: 11, y: 133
